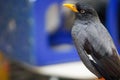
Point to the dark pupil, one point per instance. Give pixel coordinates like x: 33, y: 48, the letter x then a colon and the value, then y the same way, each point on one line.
x: 82, y: 11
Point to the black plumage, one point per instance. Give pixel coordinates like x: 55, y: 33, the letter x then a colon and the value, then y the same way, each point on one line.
x: 94, y: 44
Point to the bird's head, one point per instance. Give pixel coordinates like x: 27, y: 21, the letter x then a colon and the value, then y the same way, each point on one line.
x: 82, y: 11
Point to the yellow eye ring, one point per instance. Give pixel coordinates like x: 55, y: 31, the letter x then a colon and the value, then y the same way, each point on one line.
x: 82, y: 11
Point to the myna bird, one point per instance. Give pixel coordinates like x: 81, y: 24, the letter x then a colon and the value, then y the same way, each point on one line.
x: 93, y: 42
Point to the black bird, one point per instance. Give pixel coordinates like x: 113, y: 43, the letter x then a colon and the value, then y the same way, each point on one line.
x: 93, y: 42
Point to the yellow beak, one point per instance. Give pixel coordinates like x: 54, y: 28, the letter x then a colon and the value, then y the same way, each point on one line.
x: 71, y: 6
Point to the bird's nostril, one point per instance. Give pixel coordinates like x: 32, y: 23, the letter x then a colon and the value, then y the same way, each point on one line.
x: 73, y: 6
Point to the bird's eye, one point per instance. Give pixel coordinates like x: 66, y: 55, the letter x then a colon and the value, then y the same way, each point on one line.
x: 82, y: 11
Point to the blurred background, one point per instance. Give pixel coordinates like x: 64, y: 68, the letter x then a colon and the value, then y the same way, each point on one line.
x: 35, y: 39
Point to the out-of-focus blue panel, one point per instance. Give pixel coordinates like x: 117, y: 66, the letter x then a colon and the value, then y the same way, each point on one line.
x: 43, y: 52
x: 112, y: 21
x: 23, y: 36
x: 15, y: 29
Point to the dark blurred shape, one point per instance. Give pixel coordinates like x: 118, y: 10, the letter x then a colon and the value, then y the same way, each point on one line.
x: 18, y: 72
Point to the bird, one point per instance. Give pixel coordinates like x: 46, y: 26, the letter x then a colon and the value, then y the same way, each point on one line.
x: 93, y: 42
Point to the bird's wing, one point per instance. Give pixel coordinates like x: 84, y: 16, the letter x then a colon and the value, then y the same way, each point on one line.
x: 85, y: 59
x: 101, y: 71
x: 82, y: 53
x: 100, y: 46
